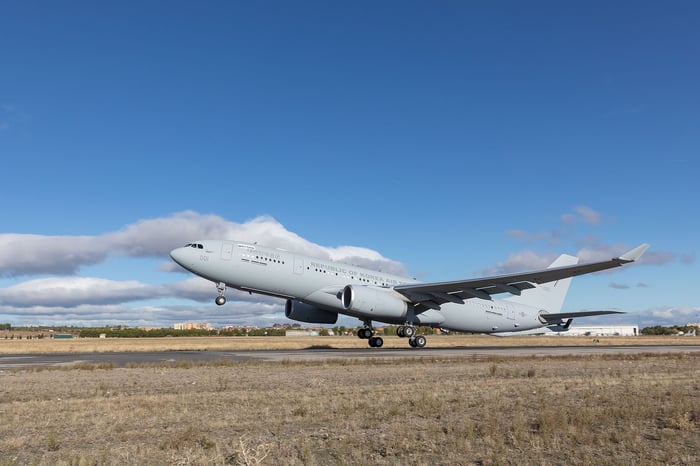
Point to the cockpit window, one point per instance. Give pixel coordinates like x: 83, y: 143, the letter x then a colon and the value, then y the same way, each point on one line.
x: 194, y: 245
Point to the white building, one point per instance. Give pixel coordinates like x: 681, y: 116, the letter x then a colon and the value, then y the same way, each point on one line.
x: 192, y: 326
x: 604, y: 331
x: 301, y: 333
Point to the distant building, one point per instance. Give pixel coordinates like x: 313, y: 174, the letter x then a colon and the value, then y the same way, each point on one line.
x: 604, y: 331
x: 192, y: 326
x: 301, y: 333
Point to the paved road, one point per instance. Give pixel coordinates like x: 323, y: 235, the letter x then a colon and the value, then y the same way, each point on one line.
x: 136, y: 358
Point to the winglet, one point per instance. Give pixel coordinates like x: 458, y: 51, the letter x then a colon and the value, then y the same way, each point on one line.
x: 634, y: 254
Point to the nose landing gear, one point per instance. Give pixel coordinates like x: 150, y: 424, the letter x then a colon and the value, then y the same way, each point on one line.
x: 221, y: 299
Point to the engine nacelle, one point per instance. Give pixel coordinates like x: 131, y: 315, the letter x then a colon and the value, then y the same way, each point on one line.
x: 303, y: 312
x: 372, y: 302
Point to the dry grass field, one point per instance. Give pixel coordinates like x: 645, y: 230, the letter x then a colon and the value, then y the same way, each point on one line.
x: 591, y: 410
x: 88, y: 345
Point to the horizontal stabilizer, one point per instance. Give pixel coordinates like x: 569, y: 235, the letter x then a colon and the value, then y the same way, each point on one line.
x: 570, y: 315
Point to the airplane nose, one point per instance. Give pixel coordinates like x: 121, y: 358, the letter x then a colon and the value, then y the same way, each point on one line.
x: 178, y: 255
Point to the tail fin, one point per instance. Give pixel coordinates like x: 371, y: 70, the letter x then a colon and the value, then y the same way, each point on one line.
x: 548, y: 296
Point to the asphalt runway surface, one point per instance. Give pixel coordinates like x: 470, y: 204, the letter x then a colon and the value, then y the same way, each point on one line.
x: 122, y: 359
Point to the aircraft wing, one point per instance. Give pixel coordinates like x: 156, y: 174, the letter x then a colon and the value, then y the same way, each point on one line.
x: 432, y: 295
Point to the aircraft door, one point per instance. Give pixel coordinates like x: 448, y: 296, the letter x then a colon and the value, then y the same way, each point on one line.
x: 227, y: 251
x: 510, y: 311
x: 298, y: 265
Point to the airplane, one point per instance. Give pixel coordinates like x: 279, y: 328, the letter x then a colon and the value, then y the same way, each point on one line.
x: 317, y: 291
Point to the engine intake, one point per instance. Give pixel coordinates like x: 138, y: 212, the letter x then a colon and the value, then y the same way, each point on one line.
x: 373, y: 302
x: 303, y: 312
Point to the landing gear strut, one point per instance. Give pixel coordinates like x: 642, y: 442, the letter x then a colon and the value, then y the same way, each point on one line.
x: 221, y: 299
x: 409, y: 331
x: 367, y: 333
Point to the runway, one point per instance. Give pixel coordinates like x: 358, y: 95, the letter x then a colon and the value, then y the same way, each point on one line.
x: 124, y: 359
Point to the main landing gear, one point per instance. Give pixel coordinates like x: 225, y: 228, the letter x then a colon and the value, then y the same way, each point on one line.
x: 409, y: 331
x: 367, y: 333
x: 404, y: 331
x: 221, y: 299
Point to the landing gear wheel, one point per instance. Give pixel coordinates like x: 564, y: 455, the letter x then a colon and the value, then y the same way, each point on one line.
x: 400, y: 331
x: 376, y: 342
x: 221, y: 288
x: 409, y: 331
x: 365, y: 333
x: 417, y: 341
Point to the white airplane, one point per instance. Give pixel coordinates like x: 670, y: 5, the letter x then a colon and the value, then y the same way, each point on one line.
x: 318, y: 290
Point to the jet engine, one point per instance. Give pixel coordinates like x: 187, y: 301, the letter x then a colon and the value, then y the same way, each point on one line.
x: 379, y: 304
x: 303, y: 312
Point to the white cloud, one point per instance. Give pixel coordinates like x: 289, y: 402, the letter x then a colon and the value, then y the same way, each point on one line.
x: 22, y: 254
x: 688, y: 258
x: 531, y: 260
x: 520, y: 261
x: 75, y: 291
x: 590, y: 247
x: 581, y: 215
x: 233, y: 313
x: 566, y: 229
x: 587, y: 215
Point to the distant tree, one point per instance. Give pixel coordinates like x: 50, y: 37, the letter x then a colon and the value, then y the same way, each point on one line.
x: 671, y: 330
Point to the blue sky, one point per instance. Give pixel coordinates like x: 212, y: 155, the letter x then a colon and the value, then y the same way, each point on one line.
x: 446, y: 139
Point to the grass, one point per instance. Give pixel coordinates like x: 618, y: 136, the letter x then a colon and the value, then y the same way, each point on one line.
x: 602, y: 409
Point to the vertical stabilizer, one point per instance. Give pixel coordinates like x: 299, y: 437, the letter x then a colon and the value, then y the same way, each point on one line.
x: 548, y: 296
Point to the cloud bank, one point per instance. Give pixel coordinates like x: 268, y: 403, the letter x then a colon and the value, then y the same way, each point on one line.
x: 589, y: 247
x: 59, y: 295
x: 48, y: 287
x: 25, y: 255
